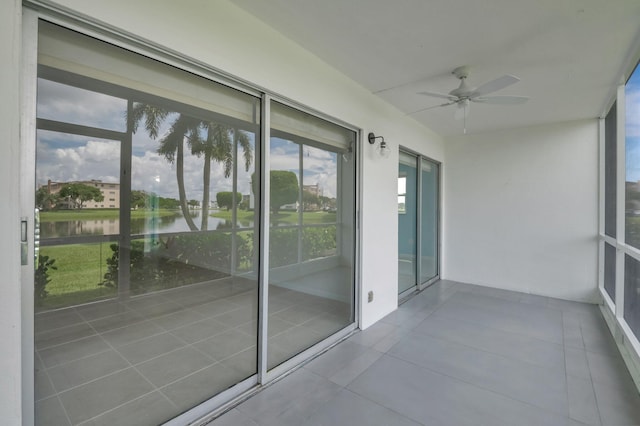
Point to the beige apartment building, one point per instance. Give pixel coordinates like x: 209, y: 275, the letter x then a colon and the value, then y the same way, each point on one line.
x: 110, y: 192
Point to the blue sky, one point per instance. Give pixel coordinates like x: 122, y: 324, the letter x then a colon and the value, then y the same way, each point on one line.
x: 632, y: 127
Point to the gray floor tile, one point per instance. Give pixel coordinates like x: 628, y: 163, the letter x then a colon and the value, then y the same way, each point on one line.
x: 525, y: 382
x: 373, y: 334
x: 216, y: 307
x: 49, y: 412
x: 226, y: 344
x: 347, y: 408
x: 270, y: 405
x: 335, y: 359
x: 297, y: 314
x: 116, y: 321
x: 538, y: 326
x: 238, y: 316
x: 78, y: 372
x: 582, y: 401
x: 50, y: 320
x: 572, y: 332
x: 150, y: 409
x: 617, y: 404
x: 151, y: 347
x: 72, y: 351
x: 125, y: 335
x: 158, y: 309
x: 196, y: 388
x: 245, y: 362
x: 63, y: 335
x: 94, y: 398
x: 178, y: 319
x: 43, y: 387
x: 101, y: 309
x: 174, y: 365
x: 296, y: 339
x: 434, y: 399
x: 353, y: 369
x: 200, y: 330
x: 576, y: 363
x: 511, y: 345
x: 609, y: 370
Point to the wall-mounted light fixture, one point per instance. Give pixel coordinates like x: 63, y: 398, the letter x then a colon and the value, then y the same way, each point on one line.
x: 382, y: 147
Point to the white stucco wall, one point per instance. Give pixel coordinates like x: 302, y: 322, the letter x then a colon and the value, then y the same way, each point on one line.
x: 522, y: 210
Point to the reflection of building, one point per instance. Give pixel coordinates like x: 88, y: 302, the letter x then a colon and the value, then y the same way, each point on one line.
x: 110, y: 193
x: 313, y: 189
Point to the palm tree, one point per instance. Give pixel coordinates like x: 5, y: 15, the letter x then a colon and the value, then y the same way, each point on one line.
x: 217, y: 146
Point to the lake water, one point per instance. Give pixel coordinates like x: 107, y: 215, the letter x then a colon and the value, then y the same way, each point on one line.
x: 164, y: 224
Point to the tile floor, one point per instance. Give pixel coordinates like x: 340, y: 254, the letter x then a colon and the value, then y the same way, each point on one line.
x: 143, y: 361
x: 460, y: 355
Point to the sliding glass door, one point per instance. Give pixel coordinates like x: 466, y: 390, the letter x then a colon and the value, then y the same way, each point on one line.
x: 151, y: 265
x: 407, y: 222
x: 311, y: 249
x: 418, y: 222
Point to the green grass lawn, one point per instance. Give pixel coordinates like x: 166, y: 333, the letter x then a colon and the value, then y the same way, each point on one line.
x: 80, y: 268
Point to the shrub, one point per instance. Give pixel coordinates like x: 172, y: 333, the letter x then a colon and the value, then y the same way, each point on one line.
x: 180, y: 260
x: 41, y: 278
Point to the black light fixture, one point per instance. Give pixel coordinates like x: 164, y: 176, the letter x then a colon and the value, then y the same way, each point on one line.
x: 382, y: 148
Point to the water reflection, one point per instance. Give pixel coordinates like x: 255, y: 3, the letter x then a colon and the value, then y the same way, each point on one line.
x: 165, y: 224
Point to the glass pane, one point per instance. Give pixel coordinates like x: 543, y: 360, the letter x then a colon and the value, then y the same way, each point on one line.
x: 78, y: 195
x: 429, y: 221
x: 632, y: 167
x: 147, y: 195
x: 319, y: 191
x: 311, y: 236
x: 69, y: 104
x: 632, y: 294
x: 610, y: 170
x: 610, y: 271
x: 407, y: 222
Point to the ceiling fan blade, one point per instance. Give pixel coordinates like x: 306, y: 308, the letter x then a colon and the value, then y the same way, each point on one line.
x: 495, y: 85
x: 501, y: 100
x: 438, y: 95
x: 431, y: 107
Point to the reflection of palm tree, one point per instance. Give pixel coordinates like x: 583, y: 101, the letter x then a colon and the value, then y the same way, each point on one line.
x: 171, y: 145
x: 217, y: 146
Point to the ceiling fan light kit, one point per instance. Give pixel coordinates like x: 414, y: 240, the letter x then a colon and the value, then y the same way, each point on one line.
x: 463, y: 95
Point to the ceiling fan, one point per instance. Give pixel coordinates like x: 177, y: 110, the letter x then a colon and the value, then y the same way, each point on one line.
x: 464, y: 94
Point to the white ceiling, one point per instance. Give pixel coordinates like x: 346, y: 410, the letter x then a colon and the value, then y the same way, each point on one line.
x: 569, y: 54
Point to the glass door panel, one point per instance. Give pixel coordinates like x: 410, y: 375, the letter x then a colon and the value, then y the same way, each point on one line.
x: 144, y: 182
x: 407, y: 221
x: 429, y: 220
x: 311, y: 267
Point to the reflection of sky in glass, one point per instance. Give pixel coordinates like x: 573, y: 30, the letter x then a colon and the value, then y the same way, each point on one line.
x: 59, y: 102
x: 632, y: 127
x: 320, y: 167
x: 62, y: 157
